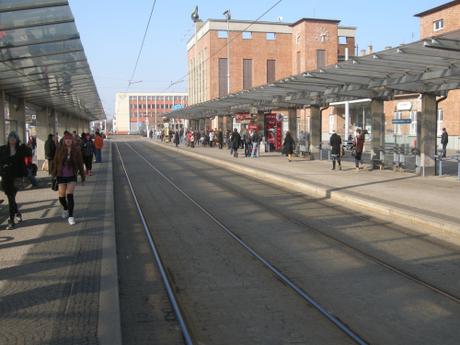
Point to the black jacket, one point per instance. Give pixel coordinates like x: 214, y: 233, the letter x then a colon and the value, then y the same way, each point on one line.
x: 12, y: 167
x: 444, y: 138
x: 289, y: 145
x: 50, y: 149
x: 336, y: 142
x: 236, y: 140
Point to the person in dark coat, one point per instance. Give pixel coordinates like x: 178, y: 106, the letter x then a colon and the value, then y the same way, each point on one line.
x: 358, y: 147
x: 335, y: 141
x: 444, y: 142
x: 236, y: 141
x: 13, y: 169
x: 176, y: 138
x: 220, y: 139
x: 288, y: 146
x: 50, y: 151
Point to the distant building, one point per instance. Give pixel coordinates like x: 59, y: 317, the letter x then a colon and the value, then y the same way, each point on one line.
x: 140, y: 112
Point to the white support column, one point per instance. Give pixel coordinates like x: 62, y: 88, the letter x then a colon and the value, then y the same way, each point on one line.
x: 3, y: 109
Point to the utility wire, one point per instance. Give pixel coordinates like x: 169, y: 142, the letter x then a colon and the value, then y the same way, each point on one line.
x: 130, y: 81
x: 181, y: 79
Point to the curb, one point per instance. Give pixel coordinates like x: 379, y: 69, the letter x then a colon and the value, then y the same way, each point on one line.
x: 109, y: 324
x: 337, y: 197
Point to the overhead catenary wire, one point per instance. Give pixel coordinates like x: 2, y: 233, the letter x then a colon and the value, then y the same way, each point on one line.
x: 142, y: 45
x: 230, y: 40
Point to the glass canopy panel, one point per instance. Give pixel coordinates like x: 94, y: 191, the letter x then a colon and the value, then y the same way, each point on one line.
x: 14, y: 5
x: 34, y: 17
x: 44, y: 49
x: 38, y: 35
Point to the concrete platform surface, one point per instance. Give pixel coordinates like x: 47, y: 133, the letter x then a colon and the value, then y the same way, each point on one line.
x: 58, y: 283
x: 426, y: 201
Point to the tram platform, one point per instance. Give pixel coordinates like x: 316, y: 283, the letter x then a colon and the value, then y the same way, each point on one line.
x: 428, y: 203
x: 58, y: 283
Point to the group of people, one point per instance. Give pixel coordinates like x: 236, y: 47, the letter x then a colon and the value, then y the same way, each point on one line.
x: 67, y: 157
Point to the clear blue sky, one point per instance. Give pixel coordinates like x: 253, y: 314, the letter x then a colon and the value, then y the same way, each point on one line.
x: 111, y: 31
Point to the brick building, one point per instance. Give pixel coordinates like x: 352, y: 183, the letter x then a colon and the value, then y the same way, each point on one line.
x: 139, y: 112
x: 260, y: 52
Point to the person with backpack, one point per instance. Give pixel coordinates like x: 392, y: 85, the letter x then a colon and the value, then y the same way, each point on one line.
x: 87, y: 150
x: 13, y: 169
x: 335, y: 141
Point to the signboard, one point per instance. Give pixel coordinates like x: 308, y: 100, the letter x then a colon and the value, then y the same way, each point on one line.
x: 401, y: 121
x: 242, y: 117
x: 404, y: 106
x: 178, y: 106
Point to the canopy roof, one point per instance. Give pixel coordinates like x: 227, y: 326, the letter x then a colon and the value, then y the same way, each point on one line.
x: 426, y: 66
x: 42, y: 58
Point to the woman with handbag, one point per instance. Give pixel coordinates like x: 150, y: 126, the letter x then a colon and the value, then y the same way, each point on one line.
x: 13, y: 169
x: 68, y: 163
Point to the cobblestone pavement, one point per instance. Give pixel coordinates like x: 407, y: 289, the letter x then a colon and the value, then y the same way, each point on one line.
x: 226, y: 295
x: 146, y: 315
x: 50, y: 271
x: 382, y: 306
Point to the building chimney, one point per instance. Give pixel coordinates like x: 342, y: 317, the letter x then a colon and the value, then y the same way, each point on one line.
x: 369, y: 49
x: 362, y: 52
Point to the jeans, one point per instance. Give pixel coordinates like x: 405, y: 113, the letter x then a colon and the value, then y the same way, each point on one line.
x: 358, y: 159
x: 98, y: 154
x: 255, y: 151
x: 444, y: 150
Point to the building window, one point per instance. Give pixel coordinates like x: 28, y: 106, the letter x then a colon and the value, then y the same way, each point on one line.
x: 247, y: 74
x: 297, y: 39
x: 222, y: 34
x: 413, y: 124
x: 440, y: 119
x: 271, y: 36
x: 223, y: 85
x: 342, y: 40
x: 247, y: 35
x: 298, y: 62
x: 397, y: 128
x: 438, y: 25
x: 320, y: 58
x: 331, y: 123
x: 271, y: 71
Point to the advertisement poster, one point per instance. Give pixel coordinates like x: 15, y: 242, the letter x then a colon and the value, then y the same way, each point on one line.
x: 273, y: 131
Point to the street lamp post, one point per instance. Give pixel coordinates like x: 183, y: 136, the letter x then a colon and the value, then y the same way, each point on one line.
x: 228, y: 16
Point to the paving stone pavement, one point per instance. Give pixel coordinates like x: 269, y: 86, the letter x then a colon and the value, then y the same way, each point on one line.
x: 50, y: 272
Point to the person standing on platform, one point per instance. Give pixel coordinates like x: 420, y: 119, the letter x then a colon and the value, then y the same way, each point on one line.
x: 288, y: 146
x: 236, y: 141
x: 50, y: 151
x: 335, y: 141
x: 98, y: 145
x: 176, y: 138
x: 220, y: 138
x: 68, y: 163
x: 13, y: 169
x: 444, y: 142
x: 358, y: 148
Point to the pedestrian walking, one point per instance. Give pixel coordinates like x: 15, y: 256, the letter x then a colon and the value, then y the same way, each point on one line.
x: 444, y: 142
x: 31, y: 168
x: 98, y: 145
x: 12, y: 170
x: 236, y: 141
x: 247, y: 144
x: 192, y: 139
x: 68, y: 163
x: 50, y: 151
x: 87, y: 151
x: 288, y: 146
x: 255, y: 139
x: 335, y: 141
x: 358, y: 148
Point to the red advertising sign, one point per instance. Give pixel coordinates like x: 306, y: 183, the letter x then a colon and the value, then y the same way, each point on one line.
x: 273, y: 131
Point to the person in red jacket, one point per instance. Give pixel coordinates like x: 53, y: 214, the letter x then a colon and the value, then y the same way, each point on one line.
x: 358, y: 147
